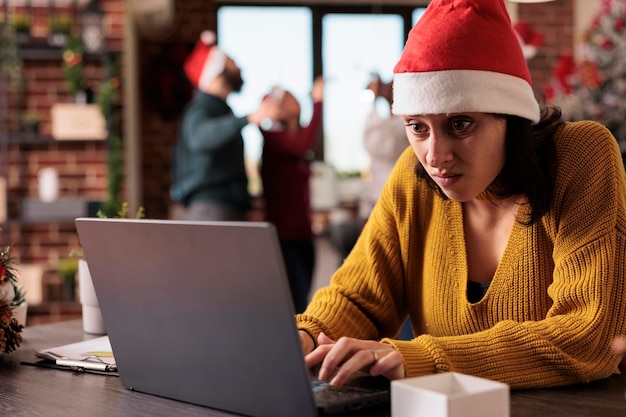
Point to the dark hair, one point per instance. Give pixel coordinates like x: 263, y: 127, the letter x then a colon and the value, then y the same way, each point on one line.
x: 529, y: 163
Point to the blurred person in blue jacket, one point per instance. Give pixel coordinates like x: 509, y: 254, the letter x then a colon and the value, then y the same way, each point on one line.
x: 209, y: 174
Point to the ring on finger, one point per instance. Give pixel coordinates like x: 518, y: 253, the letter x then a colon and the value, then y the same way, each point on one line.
x: 374, y: 355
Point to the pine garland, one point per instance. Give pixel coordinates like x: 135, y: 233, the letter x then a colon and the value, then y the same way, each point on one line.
x: 8, y: 276
x: 73, y: 64
x: 10, y: 329
x: 107, y: 98
x: 10, y: 63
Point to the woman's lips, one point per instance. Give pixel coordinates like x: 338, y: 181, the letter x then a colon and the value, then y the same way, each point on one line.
x: 446, y: 180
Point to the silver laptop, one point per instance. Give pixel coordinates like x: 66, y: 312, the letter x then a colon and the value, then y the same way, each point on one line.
x: 201, y: 312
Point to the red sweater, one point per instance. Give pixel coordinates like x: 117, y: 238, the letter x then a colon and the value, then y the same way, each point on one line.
x: 285, y: 176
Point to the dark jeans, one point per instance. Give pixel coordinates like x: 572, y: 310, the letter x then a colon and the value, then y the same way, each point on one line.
x: 299, y: 256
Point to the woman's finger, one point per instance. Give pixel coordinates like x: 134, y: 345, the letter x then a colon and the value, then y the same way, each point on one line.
x: 391, y: 366
x: 361, y: 360
x: 316, y: 357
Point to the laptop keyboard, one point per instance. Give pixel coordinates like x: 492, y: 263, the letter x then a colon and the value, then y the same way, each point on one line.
x: 345, y: 397
x: 326, y: 392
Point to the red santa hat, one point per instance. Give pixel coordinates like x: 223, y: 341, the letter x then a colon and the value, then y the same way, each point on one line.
x: 464, y: 56
x: 530, y: 39
x: 205, y: 62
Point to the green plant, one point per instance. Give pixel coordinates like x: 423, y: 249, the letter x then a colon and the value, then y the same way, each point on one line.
x: 60, y: 24
x: 21, y: 22
x: 8, y: 276
x: 31, y: 118
x: 122, y: 212
x: 68, y: 268
x: 73, y: 64
x: 11, y: 295
x: 10, y: 62
x: 109, y: 94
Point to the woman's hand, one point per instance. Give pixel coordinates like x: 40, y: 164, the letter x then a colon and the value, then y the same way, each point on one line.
x: 307, y: 342
x: 317, y: 93
x: 268, y: 110
x: 343, y: 358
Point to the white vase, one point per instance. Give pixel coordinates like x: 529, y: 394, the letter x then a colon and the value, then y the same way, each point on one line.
x: 92, y: 316
x: 48, y: 185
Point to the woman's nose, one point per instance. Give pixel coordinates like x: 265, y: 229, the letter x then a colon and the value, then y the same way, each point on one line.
x: 439, y: 151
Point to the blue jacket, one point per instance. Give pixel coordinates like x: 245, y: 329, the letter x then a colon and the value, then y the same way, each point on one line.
x: 208, y: 159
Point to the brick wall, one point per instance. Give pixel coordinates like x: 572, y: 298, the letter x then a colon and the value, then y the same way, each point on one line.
x: 164, y: 91
x: 81, y: 165
x: 555, y: 20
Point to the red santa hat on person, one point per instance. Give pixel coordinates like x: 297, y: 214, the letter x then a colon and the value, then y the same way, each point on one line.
x: 205, y: 62
x: 464, y: 56
x: 529, y: 38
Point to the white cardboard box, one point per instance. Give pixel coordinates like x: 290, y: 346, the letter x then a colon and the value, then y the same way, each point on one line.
x: 449, y: 394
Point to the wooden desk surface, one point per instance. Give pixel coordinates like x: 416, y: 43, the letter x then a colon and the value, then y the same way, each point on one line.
x: 32, y: 391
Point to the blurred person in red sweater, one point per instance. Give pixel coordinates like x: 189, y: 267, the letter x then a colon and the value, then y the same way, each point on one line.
x: 285, y: 172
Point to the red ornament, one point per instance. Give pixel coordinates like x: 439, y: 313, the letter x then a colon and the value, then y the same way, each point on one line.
x: 590, y: 75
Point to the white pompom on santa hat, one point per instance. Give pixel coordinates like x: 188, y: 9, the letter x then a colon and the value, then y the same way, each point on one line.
x: 205, y: 62
x: 529, y: 38
x: 464, y: 56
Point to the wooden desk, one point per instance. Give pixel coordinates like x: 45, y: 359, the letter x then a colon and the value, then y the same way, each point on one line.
x: 27, y: 391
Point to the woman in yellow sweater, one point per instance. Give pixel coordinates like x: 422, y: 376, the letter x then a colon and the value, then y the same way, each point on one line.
x: 501, y: 233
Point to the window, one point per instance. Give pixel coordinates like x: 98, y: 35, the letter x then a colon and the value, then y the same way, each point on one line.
x: 276, y: 45
x: 354, y: 46
x: 272, y: 46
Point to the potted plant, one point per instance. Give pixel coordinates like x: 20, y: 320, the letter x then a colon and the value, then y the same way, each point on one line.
x: 30, y: 122
x: 60, y: 28
x: 67, y: 269
x: 21, y: 23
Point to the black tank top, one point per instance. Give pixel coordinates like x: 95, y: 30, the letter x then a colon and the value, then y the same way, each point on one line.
x: 476, y: 290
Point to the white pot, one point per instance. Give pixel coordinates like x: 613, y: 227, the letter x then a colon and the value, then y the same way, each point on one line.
x: 92, y: 317
x: 48, y: 185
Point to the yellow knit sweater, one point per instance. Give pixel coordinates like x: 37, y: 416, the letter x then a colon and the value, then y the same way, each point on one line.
x: 556, y: 299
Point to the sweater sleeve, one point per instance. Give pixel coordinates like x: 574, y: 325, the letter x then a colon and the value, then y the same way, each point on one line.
x: 206, y: 132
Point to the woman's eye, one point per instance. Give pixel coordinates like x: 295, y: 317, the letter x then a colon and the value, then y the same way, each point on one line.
x: 415, y: 127
x: 460, y: 124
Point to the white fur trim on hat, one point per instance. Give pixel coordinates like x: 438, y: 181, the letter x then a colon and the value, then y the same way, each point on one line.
x: 464, y: 56
x: 213, y: 66
x: 457, y: 91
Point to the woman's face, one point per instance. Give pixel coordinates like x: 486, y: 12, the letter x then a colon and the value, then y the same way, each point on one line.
x: 462, y: 152
x: 290, y: 108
